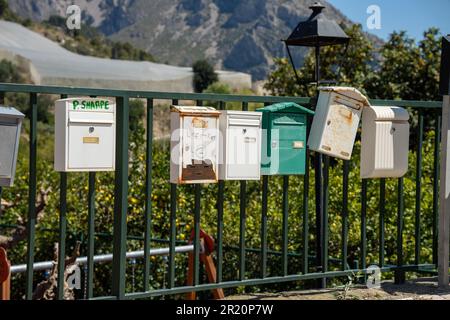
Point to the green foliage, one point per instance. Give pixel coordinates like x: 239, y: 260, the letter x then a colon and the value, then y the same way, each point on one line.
x: 204, y: 75
x: 9, y: 72
x: 137, y: 112
x: 401, y: 69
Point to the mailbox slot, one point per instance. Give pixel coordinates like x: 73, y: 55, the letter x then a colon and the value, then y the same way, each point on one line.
x: 384, y: 142
x: 240, y: 146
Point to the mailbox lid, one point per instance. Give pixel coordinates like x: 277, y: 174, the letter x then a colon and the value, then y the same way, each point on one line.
x: 195, y: 111
x: 286, y: 107
x: 376, y: 113
x: 348, y: 93
x: 10, y: 113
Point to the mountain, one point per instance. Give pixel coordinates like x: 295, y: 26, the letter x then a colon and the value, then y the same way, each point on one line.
x: 240, y: 35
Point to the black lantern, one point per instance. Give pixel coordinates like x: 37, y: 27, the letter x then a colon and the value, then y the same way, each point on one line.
x: 318, y: 31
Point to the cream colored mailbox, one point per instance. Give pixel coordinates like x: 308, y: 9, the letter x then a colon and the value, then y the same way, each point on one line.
x: 384, y: 142
x: 10, y: 124
x: 194, y: 144
x: 336, y: 121
x: 240, y: 145
x: 85, y: 135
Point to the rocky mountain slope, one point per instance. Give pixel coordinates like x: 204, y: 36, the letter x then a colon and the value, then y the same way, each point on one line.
x: 241, y: 35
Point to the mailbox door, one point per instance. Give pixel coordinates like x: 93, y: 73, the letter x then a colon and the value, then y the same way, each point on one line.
x: 341, y: 127
x: 8, y: 138
x: 391, y: 149
x: 243, y: 153
x: 288, y: 151
x: 199, y: 149
x: 91, y: 145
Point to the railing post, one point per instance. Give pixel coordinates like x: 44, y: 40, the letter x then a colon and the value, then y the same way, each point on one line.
x: 32, y: 187
x: 120, y: 199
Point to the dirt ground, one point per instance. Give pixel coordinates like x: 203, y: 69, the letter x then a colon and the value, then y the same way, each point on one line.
x: 421, y: 289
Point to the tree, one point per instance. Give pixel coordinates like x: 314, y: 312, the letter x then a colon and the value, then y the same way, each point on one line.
x: 204, y: 75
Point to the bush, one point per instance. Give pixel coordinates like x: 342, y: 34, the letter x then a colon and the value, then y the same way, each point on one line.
x: 204, y: 75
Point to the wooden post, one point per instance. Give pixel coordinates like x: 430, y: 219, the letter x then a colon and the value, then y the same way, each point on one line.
x: 444, y: 208
x: 5, y: 276
x: 5, y: 289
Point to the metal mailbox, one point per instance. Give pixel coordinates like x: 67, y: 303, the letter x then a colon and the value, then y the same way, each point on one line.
x: 384, y: 142
x: 85, y: 135
x: 284, y: 139
x: 194, y: 145
x: 10, y: 124
x: 336, y: 121
x: 240, y: 145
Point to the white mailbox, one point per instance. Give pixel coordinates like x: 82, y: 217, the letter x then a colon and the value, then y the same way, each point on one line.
x: 10, y: 124
x: 240, y: 145
x: 336, y: 121
x: 85, y: 135
x: 384, y: 142
x: 194, y: 144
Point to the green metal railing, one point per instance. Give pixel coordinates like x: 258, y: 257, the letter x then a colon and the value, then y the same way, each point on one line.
x: 121, y: 191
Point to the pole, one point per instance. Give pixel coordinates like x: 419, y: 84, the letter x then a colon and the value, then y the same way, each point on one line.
x: 318, y: 160
x: 444, y: 194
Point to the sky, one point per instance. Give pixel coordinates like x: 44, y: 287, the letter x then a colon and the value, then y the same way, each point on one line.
x: 413, y: 16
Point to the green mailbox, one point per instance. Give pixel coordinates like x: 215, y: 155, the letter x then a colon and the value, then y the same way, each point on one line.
x: 284, y: 139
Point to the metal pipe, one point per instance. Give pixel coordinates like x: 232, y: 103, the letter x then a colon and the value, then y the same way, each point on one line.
x: 46, y: 265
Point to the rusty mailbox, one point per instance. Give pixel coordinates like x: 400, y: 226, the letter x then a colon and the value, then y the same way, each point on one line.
x: 194, y: 144
x: 336, y: 121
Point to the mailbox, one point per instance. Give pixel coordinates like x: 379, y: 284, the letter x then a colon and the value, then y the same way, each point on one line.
x: 240, y: 145
x: 10, y: 124
x: 85, y: 135
x: 384, y: 142
x: 194, y: 145
x: 284, y: 139
x: 336, y: 121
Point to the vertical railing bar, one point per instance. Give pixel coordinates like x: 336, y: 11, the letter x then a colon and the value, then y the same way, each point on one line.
x: 437, y: 143
x: 264, y: 206
x: 242, y: 209
x: 363, y: 223
x: 382, y: 219
x: 197, y: 190
x: 148, y: 194
x: 120, y: 199
x: 325, y: 198
x: 400, y: 275
x: 346, y: 169
x: 220, y: 200
x: 285, y: 225
x: 32, y: 188
x: 62, y: 231
x: 197, y: 199
x: 91, y: 235
x: 418, y: 187
x: 305, y: 222
x: 173, y: 228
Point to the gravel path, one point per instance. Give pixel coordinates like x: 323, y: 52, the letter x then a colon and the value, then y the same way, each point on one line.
x: 421, y: 289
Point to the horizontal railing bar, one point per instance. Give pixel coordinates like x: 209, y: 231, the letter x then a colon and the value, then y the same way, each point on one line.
x: 145, y: 94
x: 269, y: 280
x: 25, y: 88
x: 46, y: 265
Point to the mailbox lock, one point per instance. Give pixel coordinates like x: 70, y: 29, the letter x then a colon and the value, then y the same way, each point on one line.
x: 91, y: 129
x: 244, y: 131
